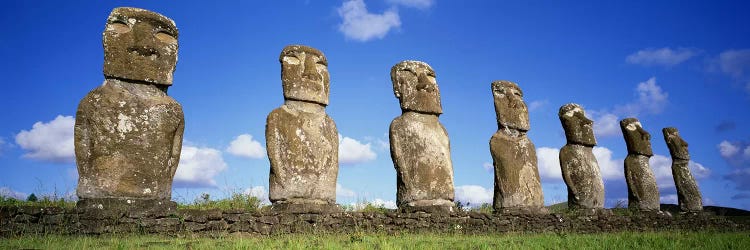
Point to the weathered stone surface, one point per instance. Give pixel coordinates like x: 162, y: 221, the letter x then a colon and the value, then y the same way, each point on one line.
x: 688, y: 195
x: 68, y: 221
x: 304, y: 74
x: 643, y: 194
x: 579, y: 167
x: 128, y: 132
x: 301, y: 139
x: 517, y: 184
x: 637, y: 140
x: 415, y: 87
x: 420, y: 149
x: 140, y: 45
x: 510, y: 109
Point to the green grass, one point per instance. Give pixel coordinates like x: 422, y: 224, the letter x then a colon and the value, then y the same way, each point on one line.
x: 236, y: 201
x: 625, y: 240
x: 43, y: 202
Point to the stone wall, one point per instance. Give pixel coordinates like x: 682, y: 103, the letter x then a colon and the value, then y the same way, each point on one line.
x: 30, y: 220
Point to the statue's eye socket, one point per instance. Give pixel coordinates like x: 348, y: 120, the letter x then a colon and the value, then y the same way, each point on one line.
x: 165, y: 37
x: 291, y: 60
x: 119, y: 27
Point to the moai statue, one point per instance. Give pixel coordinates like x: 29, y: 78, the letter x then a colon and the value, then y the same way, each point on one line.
x: 579, y: 167
x: 301, y: 139
x: 643, y: 194
x: 688, y: 194
x: 420, y: 149
x: 128, y: 131
x: 518, y: 188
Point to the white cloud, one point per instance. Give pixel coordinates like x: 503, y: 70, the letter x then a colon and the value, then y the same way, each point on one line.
x: 244, y: 146
x: 611, y: 169
x: 660, y: 57
x: 735, y: 62
x: 385, y: 203
x: 605, y: 124
x: 259, y: 192
x: 10, y: 193
x: 344, y: 192
x: 198, y: 166
x: 668, y: 199
x: 548, y: 162
x: 651, y: 99
x: 419, y: 4
x: 474, y: 195
x: 537, y: 104
x: 488, y: 167
x: 51, y: 141
x: 728, y: 149
x: 698, y: 170
x: 354, y: 152
x: 361, y: 25
x: 662, y: 167
x: 389, y: 204
x: 737, y: 153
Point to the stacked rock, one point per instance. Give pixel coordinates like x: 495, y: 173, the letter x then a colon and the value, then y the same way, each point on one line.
x: 518, y: 187
x: 420, y: 148
x: 579, y: 167
x: 643, y: 194
x: 128, y: 131
x: 301, y: 139
x: 688, y: 195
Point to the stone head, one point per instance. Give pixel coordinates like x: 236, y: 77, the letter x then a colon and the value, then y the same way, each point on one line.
x: 678, y: 147
x: 510, y: 109
x: 140, y: 45
x: 637, y: 139
x: 304, y: 74
x: 415, y: 87
x: 579, y: 129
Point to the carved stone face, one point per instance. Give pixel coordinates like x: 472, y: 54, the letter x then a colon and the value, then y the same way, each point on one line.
x: 140, y: 45
x: 678, y: 147
x: 304, y: 74
x: 578, y: 128
x: 510, y: 109
x: 415, y: 87
x: 637, y: 139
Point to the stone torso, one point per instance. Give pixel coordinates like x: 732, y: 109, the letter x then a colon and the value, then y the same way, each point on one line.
x: 516, y: 174
x: 128, y: 139
x: 581, y: 174
x: 688, y: 195
x: 303, y: 150
x: 420, y: 151
x: 643, y: 193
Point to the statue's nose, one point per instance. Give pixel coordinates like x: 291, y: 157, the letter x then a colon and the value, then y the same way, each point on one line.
x: 310, y: 72
x: 423, y: 83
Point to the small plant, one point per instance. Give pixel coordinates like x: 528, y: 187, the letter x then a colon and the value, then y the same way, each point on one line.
x: 32, y: 198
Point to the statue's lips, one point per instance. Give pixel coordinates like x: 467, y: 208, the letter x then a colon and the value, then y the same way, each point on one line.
x: 144, y: 52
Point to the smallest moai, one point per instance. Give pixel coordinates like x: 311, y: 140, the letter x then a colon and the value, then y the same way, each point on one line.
x: 420, y: 149
x: 518, y: 188
x: 688, y: 194
x: 579, y: 167
x: 643, y: 194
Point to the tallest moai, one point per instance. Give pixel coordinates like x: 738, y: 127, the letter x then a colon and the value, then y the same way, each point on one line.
x: 128, y: 131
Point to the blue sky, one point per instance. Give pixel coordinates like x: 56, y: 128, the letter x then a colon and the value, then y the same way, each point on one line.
x: 670, y: 63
